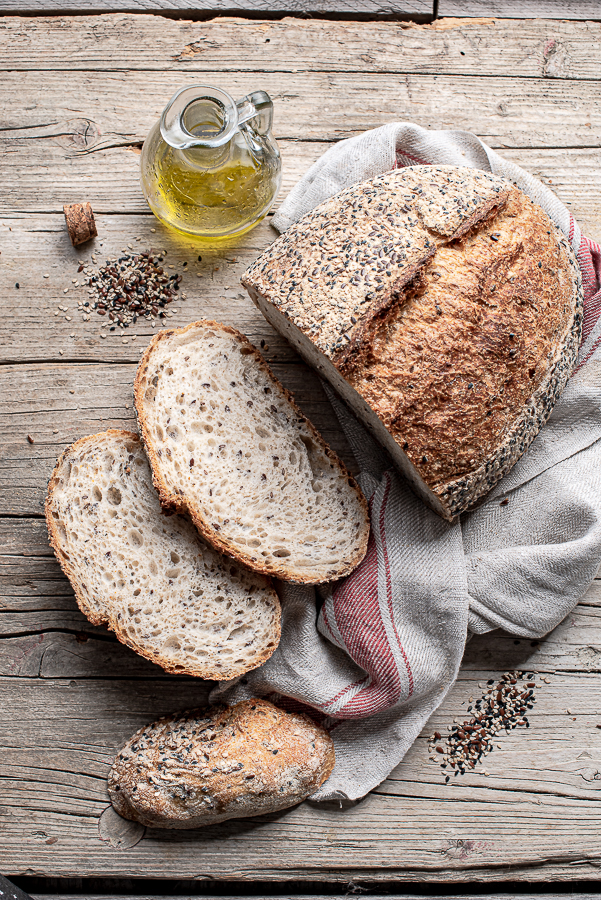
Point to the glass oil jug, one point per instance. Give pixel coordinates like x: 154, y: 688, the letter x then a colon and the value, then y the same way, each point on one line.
x: 211, y: 167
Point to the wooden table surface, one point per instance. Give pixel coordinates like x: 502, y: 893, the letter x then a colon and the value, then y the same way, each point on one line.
x: 79, y: 94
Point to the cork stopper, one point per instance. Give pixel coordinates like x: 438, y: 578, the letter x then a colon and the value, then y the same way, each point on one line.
x: 80, y: 222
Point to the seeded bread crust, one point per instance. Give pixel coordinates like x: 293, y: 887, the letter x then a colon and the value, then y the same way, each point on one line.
x: 453, y: 350
x: 205, y: 766
x: 150, y: 578
x: 183, y: 493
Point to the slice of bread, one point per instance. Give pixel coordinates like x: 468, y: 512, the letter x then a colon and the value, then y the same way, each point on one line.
x: 208, y: 765
x: 147, y: 576
x: 228, y: 446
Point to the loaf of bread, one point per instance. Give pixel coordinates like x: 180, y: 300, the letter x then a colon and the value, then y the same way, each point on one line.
x: 204, y: 766
x: 149, y: 577
x: 444, y: 306
x: 228, y: 446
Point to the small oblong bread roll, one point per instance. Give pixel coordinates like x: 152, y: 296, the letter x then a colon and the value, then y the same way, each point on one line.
x: 207, y: 765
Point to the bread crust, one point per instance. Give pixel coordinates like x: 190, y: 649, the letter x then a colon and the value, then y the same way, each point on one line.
x: 180, y: 503
x: 462, y: 374
x: 202, y: 767
x: 107, y: 617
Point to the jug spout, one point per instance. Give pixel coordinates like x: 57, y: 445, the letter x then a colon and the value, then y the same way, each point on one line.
x: 201, y: 117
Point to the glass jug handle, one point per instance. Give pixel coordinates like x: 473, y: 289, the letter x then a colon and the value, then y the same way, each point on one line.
x: 256, y: 110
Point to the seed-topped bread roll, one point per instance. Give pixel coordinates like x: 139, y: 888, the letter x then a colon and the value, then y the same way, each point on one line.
x: 444, y: 306
x: 205, y: 766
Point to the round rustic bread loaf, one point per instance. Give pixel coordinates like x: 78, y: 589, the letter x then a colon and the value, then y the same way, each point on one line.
x: 205, y: 766
x: 445, y: 306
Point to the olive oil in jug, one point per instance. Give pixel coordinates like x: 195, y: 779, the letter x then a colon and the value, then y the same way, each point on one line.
x: 210, y: 167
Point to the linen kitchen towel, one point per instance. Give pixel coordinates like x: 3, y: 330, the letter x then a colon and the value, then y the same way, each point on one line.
x: 375, y: 655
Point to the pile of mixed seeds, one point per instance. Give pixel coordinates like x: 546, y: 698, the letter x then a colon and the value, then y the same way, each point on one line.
x: 131, y: 286
x: 502, y: 707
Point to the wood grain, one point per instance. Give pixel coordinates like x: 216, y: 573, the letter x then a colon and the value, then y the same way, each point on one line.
x: 118, y: 109
x: 542, y: 782
x: 43, y: 634
x: 33, y: 328
x: 421, y: 9
x: 60, y: 403
x: 527, y: 9
x: 487, y: 47
x: 574, y: 175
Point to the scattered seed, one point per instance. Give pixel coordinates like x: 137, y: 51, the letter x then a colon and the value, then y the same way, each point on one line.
x: 30, y: 439
x: 502, y: 706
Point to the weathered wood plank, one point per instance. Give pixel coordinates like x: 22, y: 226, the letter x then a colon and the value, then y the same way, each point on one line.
x: 42, y: 636
x: 543, y: 781
x: 574, y: 174
x: 57, y: 404
x: 30, y: 331
x: 549, y: 49
x: 527, y: 9
x: 420, y: 9
x: 72, y: 694
x: 119, y: 108
x: 56, y: 654
x: 42, y: 633
x: 35, y: 186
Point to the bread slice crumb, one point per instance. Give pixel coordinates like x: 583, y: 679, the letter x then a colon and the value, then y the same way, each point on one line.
x: 148, y: 577
x: 228, y: 445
